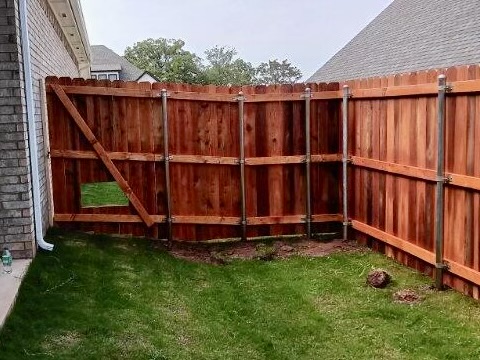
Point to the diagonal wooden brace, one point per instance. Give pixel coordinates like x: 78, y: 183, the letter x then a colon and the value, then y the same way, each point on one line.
x: 102, y: 154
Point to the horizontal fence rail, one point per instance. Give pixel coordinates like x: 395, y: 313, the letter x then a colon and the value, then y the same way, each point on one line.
x: 455, y: 87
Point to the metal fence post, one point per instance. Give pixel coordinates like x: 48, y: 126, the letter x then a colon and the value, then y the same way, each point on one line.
x: 241, y: 120
x: 167, y: 164
x: 439, y: 191
x: 346, y: 221
x: 308, y: 161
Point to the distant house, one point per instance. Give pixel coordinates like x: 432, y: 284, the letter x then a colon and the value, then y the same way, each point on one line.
x: 409, y: 35
x: 108, y: 65
x: 38, y: 38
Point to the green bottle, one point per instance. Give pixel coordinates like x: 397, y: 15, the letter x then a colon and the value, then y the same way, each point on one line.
x: 7, y: 261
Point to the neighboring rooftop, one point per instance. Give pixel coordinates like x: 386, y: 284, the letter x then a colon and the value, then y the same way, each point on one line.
x: 105, y: 59
x: 409, y: 35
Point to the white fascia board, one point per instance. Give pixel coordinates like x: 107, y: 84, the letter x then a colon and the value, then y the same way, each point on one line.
x: 70, y: 17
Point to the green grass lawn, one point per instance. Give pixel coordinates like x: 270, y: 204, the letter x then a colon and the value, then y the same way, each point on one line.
x: 100, y: 298
x: 102, y: 194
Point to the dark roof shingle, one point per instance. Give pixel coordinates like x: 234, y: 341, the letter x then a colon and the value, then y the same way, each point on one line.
x: 409, y: 35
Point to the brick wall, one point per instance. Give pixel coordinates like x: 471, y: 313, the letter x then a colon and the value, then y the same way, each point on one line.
x: 50, y: 55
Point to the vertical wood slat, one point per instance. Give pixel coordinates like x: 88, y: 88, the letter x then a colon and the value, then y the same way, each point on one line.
x: 418, y: 158
x: 121, y: 107
x: 298, y: 141
x: 377, y: 128
x: 455, y: 216
x: 469, y: 170
x: 57, y: 137
x: 275, y: 125
x: 251, y: 113
x: 47, y: 159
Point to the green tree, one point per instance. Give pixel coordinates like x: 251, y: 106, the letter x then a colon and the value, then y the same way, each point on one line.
x: 224, y: 68
x: 167, y: 60
x: 276, y: 72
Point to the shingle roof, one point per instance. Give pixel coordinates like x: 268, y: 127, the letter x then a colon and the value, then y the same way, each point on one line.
x: 106, y: 59
x: 410, y: 35
x: 106, y: 67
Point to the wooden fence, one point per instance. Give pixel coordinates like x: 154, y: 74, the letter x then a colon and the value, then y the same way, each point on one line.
x: 102, y: 130
x: 393, y: 149
x: 392, y: 162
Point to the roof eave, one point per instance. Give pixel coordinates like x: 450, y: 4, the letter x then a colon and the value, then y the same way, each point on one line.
x: 70, y: 17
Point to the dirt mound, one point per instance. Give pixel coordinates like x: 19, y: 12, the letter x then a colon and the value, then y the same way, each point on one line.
x: 407, y: 296
x: 378, y: 278
x: 223, y: 253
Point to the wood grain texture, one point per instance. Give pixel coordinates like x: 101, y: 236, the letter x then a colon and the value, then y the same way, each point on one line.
x: 406, y: 158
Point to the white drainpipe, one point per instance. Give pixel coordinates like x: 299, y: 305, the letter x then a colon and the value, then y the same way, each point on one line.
x: 32, y: 136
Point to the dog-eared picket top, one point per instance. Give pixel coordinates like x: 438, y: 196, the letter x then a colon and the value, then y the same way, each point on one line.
x: 206, y: 163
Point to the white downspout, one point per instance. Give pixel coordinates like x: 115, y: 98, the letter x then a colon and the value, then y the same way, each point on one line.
x: 32, y: 136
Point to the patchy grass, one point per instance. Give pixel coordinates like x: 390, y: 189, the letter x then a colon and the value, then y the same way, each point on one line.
x: 102, y: 194
x: 102, y: 298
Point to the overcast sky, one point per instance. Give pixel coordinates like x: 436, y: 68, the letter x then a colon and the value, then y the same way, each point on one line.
x: 306, y: 32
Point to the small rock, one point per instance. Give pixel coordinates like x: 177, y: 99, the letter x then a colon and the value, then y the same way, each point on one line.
x: 378, y: 278
x: 287, y: 248
x: 230, y: 252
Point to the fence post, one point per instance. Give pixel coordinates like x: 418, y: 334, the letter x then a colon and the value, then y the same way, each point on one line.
x: 241, y: 120
x: 308, y: 161
x: 439, y: 191
x: 167, y: 164
x: 346, y: 220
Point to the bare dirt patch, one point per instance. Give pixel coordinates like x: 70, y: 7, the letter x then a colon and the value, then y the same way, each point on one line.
x: 407, y: 296
x: 223, y: 253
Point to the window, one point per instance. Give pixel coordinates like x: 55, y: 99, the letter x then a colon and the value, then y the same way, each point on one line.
x: 112, y: 76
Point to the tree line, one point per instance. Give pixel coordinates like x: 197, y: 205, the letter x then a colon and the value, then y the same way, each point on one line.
x: 170, y: 62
